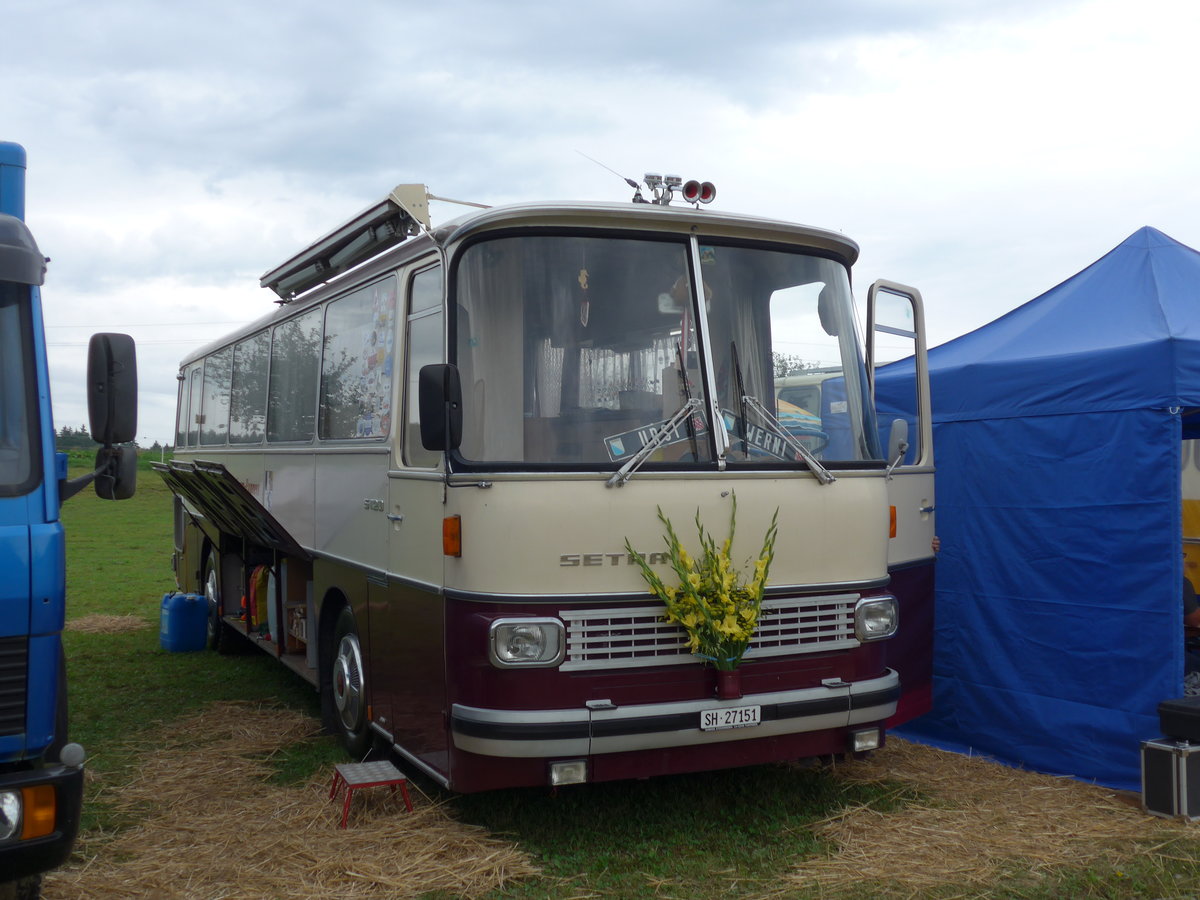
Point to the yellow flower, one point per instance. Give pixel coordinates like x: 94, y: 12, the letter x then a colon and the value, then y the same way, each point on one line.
x: 713, y: 603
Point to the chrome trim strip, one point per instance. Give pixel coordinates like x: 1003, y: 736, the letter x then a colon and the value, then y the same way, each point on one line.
x: 416, y: 475
x: 772, y: 592
x: 583, y: 732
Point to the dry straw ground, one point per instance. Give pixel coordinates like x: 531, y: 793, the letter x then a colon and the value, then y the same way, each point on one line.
x: 208, y: 826
x: 982, y: 824
x: 102, y: 624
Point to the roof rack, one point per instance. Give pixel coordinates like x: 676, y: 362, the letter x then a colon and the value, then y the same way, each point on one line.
x: 403, y: 213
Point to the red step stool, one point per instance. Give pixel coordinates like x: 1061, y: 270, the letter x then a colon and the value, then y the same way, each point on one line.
x: 363, y: 775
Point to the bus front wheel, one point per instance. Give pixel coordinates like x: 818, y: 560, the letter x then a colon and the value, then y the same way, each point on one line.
x: 347, y: 687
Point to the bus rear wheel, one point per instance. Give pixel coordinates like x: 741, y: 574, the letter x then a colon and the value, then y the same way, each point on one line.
x: 347, y: 687
x: 220, y: 636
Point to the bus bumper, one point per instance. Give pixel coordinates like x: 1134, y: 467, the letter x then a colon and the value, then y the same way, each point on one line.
x: 19, y: 858
x: 831, y: 710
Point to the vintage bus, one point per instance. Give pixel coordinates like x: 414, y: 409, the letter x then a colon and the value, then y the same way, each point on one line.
x: 413, y: 481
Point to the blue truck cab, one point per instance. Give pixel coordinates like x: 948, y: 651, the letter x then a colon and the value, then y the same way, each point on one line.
x: 41, y: 774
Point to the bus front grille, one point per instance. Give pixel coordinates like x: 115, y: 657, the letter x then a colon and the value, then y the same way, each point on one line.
x: 617, y: 637
x: 14, y: 666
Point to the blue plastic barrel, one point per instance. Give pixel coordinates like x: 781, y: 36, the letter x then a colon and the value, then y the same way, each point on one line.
x: 183, y: 623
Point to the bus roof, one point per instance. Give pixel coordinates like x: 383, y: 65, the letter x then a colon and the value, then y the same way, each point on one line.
x: 371, y: 240
x: 653, y: 217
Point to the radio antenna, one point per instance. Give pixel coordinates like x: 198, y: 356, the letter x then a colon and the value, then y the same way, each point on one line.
x: 637, y: 196
x: 629, y: 181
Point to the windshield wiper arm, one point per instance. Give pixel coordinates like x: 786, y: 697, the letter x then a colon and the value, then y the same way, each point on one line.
x: 821, y: 473
x: 656, y: 440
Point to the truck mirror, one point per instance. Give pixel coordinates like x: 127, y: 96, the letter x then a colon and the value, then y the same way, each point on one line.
x: 116, y: 473
x: 440, y: 395
x: 112, y: 388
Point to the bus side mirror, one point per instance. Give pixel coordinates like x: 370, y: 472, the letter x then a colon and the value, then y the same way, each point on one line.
x: 112, y: 388
x: 439, y: 393
x: 897, y: 441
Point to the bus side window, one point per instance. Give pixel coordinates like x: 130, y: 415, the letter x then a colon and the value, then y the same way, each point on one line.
x: 214, y: 405
x: 181, y: 412
x: 248, y: 397
x: 356, y: 370
x: 292, y: 383
x: 193, y: 416
x: 423, y: 347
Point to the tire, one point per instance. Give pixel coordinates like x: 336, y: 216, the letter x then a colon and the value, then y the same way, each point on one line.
x: 346, y: 688
x: 220, y: 636
x: 28, y: 888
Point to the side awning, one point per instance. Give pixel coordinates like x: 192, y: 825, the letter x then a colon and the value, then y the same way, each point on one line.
x: 211, y: 490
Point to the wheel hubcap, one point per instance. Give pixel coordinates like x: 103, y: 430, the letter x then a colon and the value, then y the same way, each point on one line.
x: 210, y: 594
x: 348, y: 682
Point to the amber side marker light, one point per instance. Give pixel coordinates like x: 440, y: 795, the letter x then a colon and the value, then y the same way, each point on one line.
x: 892, y: 525
x: 452, y: 536
x: 38, y: 819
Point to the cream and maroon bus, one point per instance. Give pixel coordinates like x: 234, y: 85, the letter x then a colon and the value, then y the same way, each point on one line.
x: 413, y: 480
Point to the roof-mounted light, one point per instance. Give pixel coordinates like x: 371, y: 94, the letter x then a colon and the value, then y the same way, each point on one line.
x: 664, y: 187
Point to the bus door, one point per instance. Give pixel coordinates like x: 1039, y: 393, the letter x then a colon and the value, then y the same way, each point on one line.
x: 409, y: 678
x: 896, y: 332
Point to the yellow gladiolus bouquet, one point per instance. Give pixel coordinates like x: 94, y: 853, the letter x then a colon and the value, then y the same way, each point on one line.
x: 716, y: 607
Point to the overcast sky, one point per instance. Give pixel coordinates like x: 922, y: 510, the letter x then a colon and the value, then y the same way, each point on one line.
x: 981, y: 151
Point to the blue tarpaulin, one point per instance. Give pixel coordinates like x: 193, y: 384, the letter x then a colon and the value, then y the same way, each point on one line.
x: 1057, y: 434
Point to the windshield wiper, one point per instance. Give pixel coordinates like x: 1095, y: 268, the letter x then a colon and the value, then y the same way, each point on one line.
x: 821, y: 473
x: 656, y: 440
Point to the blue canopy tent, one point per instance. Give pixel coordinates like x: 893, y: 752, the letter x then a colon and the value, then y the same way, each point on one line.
x: 1057, y: 430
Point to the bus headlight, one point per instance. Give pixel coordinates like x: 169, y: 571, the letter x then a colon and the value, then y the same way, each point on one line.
x: 526, y: 642
x: 876, y: 618
x: 10, y: 814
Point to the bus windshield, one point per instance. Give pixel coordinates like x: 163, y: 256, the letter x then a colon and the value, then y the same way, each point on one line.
x: 17, y: 422
x: 579, y: 350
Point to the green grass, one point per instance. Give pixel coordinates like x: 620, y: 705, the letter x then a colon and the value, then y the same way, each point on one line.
x: 123, y: 685
x: 713, y: 835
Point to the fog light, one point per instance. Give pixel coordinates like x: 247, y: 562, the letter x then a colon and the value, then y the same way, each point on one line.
x: 568, y: 771
x: 10, y: 813
x: 867, y: 739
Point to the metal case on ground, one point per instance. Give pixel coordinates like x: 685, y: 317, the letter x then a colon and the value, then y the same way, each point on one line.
x: 1171, y: 778
x: 1180, y: 718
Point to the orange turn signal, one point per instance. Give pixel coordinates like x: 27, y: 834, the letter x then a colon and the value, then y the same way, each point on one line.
x: 892, y: 525
x: 38, y: 814
x: 452, y: 536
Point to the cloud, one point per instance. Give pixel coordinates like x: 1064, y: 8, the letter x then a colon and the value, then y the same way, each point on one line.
x: 981, y: 150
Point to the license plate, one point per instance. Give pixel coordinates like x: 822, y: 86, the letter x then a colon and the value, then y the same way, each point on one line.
x: 729, y: 717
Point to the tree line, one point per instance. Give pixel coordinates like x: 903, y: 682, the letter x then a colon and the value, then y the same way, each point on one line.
x: 68, y: 438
